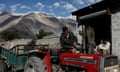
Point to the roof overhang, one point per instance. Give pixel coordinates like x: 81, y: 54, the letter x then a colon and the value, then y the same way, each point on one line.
x: 113, y: 5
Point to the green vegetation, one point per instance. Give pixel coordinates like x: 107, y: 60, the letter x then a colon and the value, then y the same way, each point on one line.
x: 9, y: 35
x: 42, y: 33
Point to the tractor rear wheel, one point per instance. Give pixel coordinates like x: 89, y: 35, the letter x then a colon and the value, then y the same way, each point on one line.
x: 34, y: 64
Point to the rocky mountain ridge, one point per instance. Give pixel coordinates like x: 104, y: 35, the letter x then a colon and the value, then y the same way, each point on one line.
x: 28, y: 25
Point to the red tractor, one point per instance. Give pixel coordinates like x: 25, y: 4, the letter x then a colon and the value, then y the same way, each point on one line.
x: 98, y: 15
x: 42, y: 61
x: 88, y: 62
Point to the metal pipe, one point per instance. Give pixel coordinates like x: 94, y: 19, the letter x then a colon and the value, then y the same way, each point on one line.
x: 93, y: 14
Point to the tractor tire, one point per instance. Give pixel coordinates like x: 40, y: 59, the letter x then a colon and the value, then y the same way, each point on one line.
x: 34, y: 64
x: 3, y: 66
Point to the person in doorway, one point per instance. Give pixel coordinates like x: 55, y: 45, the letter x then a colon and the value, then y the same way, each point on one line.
x: 67, y: 39
x: 81, y: 38
x: 90, y: 38
x: 103, y: 47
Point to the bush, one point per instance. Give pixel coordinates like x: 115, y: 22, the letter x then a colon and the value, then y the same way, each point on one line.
x: 42, y: 33
x: 10, y: 35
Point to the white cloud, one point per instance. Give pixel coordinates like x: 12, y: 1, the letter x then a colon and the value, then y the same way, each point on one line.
x: 2, y: 6
x: 51, y: 10
x: 50, y: 7
x: 63, y: 13
x: 14, y: 7
x: 56, y: 4
x: 71, y: 17
x: 25, y: 7
x: 98, y: 0
x: 17, y: 14
x: 92, y: 1
x: 69, y: 7
x: 63, y: 2
x: 67, y: 17
x: 39, y: 5
x: 80, y: 1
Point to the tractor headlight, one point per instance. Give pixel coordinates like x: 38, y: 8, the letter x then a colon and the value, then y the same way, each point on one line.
x: 115, y: 70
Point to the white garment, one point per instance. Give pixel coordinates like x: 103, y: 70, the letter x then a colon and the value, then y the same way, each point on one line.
x: 80, y: 33
x: 104, y: 46
x: 90, y: 34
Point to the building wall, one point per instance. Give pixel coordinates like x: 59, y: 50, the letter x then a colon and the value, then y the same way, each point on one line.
x: 52, y: 42
x: 116, y: 34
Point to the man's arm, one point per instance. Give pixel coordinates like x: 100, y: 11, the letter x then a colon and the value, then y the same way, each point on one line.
x: 74, y: 39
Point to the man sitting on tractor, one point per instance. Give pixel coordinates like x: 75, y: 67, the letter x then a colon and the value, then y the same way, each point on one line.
x: 67, y: 39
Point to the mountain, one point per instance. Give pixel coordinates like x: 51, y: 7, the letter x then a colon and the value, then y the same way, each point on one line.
x: 7, y: 20
x: 28, y: 25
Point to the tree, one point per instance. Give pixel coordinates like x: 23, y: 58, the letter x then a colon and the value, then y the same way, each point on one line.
x: 9, y: 35
x: 42, y: 33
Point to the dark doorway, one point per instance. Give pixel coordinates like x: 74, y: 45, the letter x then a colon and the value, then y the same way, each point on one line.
x: 101, y: 25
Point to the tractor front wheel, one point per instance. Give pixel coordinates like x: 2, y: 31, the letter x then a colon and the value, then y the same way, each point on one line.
x: 34, y: 64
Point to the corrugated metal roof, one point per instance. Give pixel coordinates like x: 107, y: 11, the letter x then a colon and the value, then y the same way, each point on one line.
x: 113, y: 5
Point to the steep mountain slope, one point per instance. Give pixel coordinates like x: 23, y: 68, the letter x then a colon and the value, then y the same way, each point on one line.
x: 29, y: 25
x: 7, y: 20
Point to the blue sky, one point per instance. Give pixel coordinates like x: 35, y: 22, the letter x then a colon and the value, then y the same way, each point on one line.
x: 59, y: 8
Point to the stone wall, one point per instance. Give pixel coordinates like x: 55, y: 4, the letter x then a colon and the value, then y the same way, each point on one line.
x: 116, y: 34
x: 52, y: 42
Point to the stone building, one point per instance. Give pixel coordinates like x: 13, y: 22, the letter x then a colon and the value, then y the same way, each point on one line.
x: 104, y: 17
